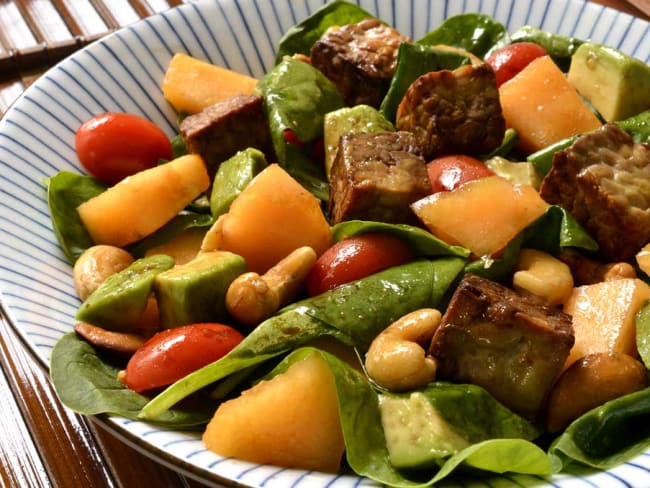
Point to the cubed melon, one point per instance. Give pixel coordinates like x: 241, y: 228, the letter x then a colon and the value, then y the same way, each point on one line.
x: 191, y: 85
x: 543, y: 107
x: 603, y: 317
x: 271, y: 217
x: 482, y: 215
x: 142, y: 203
x: 291, y: 420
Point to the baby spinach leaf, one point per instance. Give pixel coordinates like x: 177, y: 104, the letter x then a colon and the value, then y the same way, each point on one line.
x: 643, y: 334
x: 638, y: 127
x: 560, y: 47
x: 297, y: 96
x: 300, y: 38
x: 422, y: 242
x: 557, y: 229
x: 608, y: 435
x: 414, y: 60
x: 65, y: 192
x: 353, y: 313
x: 475, y: 33
x: 87, y: 383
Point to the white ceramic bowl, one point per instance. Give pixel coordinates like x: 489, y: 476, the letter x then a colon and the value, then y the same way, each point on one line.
x: 122, y: 72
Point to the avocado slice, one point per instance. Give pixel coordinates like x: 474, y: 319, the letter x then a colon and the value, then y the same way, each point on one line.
x: 117, y: 304
x: 360, y: 118
x: 416, y: 433
x: 516, y: 172
x: 233, y: 176
x: 617, y: 85
x: 196, y: 291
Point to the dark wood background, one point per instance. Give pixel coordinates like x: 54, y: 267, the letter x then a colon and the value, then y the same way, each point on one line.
x: 43, y: 444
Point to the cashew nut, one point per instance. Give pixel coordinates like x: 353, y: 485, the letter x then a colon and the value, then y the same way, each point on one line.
x: 106, y: 339
x: 543, y: 275
x: 252, y: 298
x: 95, y: 265
x: 396, y: 359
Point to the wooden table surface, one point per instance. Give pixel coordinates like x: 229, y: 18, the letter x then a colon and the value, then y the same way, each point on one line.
x: 41, y: 442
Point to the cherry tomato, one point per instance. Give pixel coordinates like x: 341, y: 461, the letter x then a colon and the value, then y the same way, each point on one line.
x: 174, y: 353
x: 112, y: 146
x: 354, y: 258
x: 447, y: 173
x: 511, y: 59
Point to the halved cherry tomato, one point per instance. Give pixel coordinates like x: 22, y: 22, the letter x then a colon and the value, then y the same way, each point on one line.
x: 511, y: 59
x: 447, y: 173
x: 112, y: 145
x: 354, y: 258
x: 174, y: 353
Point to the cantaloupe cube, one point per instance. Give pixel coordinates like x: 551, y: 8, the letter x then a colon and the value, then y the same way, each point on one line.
x: 142, y: 203
x: 543, y: 107
x: 271, y: 217
x: 291, y: 420
x: 191, y: 85
x: 603, y: 317
x: 482, y: 215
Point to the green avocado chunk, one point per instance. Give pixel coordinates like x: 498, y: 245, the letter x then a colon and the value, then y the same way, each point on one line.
x: 416, y: 434
x: 119, y: 301
x: 196, y: 291
x: 617, y: 85
x: 233, y: 176
x: 517, y: 173
x: 360, y: 118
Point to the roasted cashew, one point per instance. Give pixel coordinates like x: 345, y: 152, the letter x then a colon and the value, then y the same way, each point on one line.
x: 396, y: 359
x: 95, y: 265
x: 121, y: 342
x: 587, y: 271
x: 543, y: 275
x: 252, y: 298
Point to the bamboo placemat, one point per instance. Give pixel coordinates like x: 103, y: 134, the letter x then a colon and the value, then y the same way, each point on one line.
x: 36, y: 34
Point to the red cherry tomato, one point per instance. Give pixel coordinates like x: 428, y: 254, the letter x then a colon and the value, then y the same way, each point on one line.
x: 354, y: 258
x: 511, y: 59
x: 112, y: 146
x: 447, y: 173
x: 174, y: 353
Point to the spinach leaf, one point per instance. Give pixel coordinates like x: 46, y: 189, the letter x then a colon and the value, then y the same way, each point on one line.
x: 414, y: 60
x: 638, y: 127
x: 300, y: 38
x: 87, y: 383
x: 65, y: 192
x: 297, y: 96
x: 500, y: 456
x: 643, y: 334
x: 543, y: 159
x: 555, y: 230
x: 422, y: 242
x: 475, y: 33
x: 560, y: 47
x: 353, y: 313
x: 607, y: 435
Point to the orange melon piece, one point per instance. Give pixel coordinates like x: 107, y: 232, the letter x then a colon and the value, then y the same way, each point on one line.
x: 142, y: 203
x: 603, y: 317
x: 482, y: 215
x: 543, y: 107
x: 191, y: 85
x: 271, y: 217
x: 183, y: 247
x: 291, y: 420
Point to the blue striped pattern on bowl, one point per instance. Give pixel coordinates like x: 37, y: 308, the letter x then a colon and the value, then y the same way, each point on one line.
x: 122, y: 72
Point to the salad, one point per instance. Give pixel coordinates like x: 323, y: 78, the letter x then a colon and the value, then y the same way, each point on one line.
x: 479, y: 431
